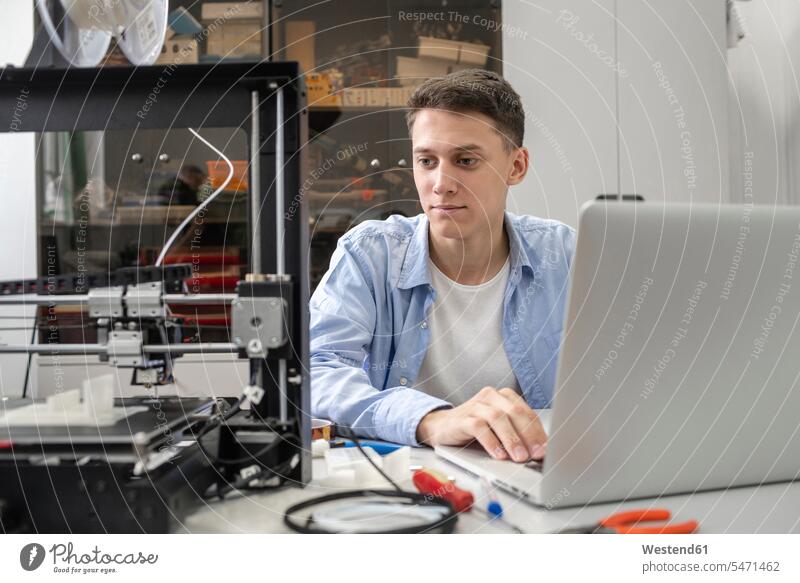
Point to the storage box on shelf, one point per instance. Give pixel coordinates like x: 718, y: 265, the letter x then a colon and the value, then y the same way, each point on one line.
x: 233, y: 29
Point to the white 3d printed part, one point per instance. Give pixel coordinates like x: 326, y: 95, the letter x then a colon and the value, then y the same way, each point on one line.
x: 94, y: 409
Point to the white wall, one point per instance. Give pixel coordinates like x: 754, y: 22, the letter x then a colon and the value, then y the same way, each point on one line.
x: 569, y: 96
x: 586, y: 71
x: 765, y: 104
x: 673, y: 106
x: 18, y: 196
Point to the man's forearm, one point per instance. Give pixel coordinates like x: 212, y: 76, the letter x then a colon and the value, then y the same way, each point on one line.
x: 344, y: 394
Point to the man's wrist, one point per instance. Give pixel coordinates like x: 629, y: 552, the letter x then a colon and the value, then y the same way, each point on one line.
x: 426, y: 429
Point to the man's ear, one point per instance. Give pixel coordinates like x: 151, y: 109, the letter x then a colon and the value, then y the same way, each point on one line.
x: 519, y: 166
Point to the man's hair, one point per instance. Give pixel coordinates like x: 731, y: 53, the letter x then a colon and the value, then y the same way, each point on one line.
x: 473, y: 90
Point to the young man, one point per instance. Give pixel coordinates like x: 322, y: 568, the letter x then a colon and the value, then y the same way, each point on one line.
x: 444, y: 328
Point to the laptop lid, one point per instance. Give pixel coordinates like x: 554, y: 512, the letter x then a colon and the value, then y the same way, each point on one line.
x: 679, y: 363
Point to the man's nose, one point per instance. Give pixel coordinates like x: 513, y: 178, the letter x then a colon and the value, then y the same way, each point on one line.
x: 445, y: 182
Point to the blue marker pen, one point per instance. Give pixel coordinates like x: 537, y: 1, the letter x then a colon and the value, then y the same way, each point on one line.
x: 493, y: 506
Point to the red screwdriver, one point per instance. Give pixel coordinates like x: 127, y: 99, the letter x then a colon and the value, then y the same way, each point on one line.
x: 434, y: 484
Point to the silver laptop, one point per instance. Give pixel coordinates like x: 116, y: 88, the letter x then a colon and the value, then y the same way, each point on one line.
x: 679, y: 367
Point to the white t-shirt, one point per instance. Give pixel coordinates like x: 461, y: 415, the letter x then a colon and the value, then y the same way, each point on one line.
x: 466, y: 351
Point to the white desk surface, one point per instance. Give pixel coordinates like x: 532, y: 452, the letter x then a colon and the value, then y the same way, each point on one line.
x: 773, y: 508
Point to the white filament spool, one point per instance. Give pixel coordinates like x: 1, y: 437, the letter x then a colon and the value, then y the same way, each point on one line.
x: 140, y: 27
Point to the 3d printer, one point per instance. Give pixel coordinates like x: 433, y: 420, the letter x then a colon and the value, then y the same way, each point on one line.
x: 105, y: 464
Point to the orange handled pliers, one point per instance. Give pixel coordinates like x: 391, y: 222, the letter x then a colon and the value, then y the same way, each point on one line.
x: 635, y: 522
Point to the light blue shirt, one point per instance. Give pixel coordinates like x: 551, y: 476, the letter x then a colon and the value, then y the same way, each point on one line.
x: 369, y: 332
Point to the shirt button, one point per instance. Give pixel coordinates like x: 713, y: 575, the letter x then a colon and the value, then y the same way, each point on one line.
x: 403, y: 381
x: 423, y: 325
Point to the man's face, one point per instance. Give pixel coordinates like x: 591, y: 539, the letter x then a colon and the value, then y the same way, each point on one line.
x: 462, y: 172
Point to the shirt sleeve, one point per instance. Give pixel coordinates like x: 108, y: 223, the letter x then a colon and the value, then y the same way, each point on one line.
x: 343, y: 313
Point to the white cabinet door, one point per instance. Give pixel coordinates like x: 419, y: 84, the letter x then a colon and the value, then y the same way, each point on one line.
x: 560, y: 57
x: 673, y: 112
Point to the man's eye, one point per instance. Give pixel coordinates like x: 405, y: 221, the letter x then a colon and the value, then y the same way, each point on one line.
x: 468, y: 161
x: 424, y: 161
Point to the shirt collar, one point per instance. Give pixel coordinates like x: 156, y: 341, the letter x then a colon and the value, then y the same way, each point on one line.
x: 519, y: 257
x: 415, y: 264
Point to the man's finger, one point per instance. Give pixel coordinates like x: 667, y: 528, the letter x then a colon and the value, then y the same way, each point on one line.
x: 504, y: 430
x: 524, y: 419
x: 539, y: 452
x: 480, y: 430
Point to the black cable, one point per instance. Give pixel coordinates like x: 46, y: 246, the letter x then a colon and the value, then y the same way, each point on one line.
x: 352, y: 437
x: 447, y: 523
x: 220, y: 419
x: 254, y: 366
x: 168, y: 361
x: 28, y: 367
x: 242, y: 482
x: 250, y: 457
x: 235, y: 408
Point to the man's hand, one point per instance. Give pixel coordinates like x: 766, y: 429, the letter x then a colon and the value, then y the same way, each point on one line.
x: 500, y: 420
